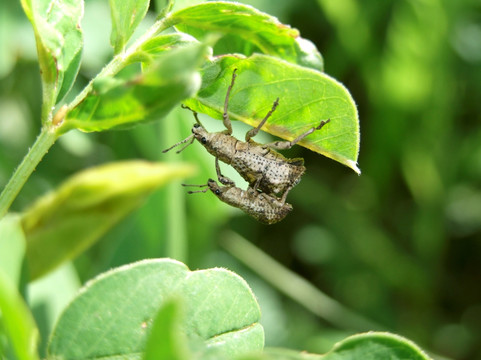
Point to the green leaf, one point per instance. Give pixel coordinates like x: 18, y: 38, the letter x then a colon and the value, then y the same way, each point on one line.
x: 367, y: 346
x: 112, y: 316
x: 18, y: 333
x: 126, y: 15
x: 12, y: 247
x: 157, y: 45
x: 376, y: 345
x: 248, y: 30
x: 305, y: 98
x: 166, y: 340
x: 280, y: 354
x: 59, y: 40
x: 62, y: 224
x: 16, y: 321
x: 116, y: 103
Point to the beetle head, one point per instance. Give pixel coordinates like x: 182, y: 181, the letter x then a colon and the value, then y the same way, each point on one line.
x: 214, y: 187
x: 201, y: 134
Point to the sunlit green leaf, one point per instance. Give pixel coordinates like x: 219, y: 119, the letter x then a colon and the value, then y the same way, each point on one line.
x: 112, y: 316
x: 65, y: 222
x: 157, y: 45
x: 126, y: 15
x: 116, y: 103
x: 305, y: 98
x: 59, y: 43
x: 17, y: 321
x: 242, y: 22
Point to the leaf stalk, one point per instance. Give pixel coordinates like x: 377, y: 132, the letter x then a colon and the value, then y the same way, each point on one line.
x: 44, y: 141
x: 50, y: 132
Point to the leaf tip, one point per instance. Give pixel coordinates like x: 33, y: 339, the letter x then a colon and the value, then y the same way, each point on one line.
x: 353, y: 166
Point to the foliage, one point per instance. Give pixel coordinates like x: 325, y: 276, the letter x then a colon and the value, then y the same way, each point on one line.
x: 67, y: 221
x: 383, y: 243
x: 219, y: 311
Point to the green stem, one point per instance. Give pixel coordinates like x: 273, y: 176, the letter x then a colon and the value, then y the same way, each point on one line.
x: 120, y: 60
x: 49, y: 134
x: 294, y: 286
x: 176, y: 234
x: 43, y: 142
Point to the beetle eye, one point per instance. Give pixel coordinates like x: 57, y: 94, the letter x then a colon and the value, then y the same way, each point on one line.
x: 203, y: 140
x: 196, y: 125
x: 217, y: 192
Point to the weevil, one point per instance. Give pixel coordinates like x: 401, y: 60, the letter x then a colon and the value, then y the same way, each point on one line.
x: 264, y: 208
x: 259, y: 164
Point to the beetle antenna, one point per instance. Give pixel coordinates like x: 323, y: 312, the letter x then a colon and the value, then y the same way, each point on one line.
x: 189, y: 138
x: 196, y: 191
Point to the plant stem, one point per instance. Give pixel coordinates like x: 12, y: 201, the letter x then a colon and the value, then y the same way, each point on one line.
x: 294, y: 286
x: 120, y: 60
x: 176, y: 234
x: 49, y: 133
x: 43, y: 142
x: 176, y: 247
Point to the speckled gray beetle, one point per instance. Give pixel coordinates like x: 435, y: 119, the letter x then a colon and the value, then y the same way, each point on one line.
x: 259, y: 164
x: 264, y: 208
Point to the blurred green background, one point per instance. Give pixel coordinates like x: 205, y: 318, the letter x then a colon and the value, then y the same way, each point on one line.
x: 400, y: 244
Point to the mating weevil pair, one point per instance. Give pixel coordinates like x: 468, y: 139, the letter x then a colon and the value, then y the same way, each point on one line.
x: 265, y: 208
x: 268, y: 172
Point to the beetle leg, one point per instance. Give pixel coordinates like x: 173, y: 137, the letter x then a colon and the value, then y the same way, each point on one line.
x: 258, y: 181
x: 253, y: 132
x: 225, y: 116
x: 194, y: 112
x: 223, y: 179
x: 282, y: 145
x: 284, y: 196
